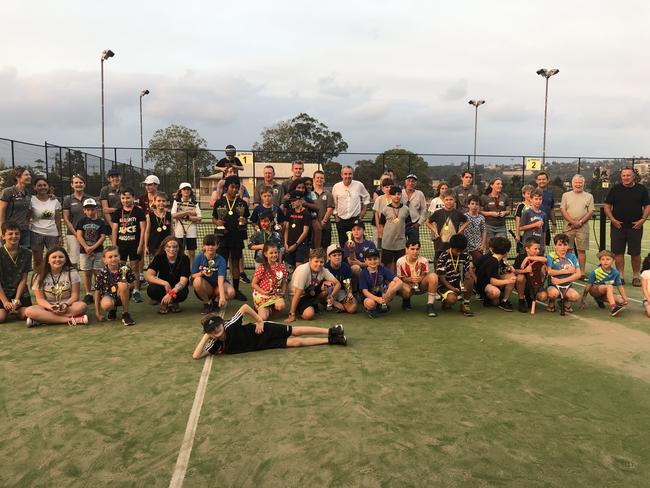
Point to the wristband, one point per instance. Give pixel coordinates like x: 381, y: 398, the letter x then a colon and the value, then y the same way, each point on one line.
x: 172, y: 293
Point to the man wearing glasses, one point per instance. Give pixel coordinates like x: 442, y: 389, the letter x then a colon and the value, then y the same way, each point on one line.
x: 350, y: 202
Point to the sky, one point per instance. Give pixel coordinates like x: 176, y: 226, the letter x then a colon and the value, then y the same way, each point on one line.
x: 383, y: 73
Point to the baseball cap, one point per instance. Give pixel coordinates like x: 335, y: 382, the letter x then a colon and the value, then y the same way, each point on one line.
x: 333, y: 248
x: 185, y: 184
x: 412, y: 177
x: 90, y: 202
x: 151, y: 179
x: 371, y: 253
x: 394, y: 190
x: 358, y: 223
x: 296, y: 195
x: 230, y: 150
x: 113, y: 172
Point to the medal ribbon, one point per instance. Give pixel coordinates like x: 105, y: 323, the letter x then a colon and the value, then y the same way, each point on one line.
x: 15, y: 261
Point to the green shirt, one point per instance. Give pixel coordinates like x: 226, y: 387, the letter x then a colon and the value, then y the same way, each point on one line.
x: 11, y: 272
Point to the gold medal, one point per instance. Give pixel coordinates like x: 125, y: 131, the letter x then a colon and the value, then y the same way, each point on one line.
x: 446, y: 227
x: 164, y: 227
x: 396, y: 220
x: 293, y: 226
x: 229, y: 212
x: 123, y: 230
x: 113, y: 289
x: 159, y: 229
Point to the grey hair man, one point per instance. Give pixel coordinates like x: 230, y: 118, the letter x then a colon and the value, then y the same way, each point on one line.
x: 577, y: 207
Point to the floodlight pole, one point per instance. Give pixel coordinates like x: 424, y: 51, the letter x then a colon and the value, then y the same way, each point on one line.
x: 107, y: 53
x: 142, y: 94
x: 476, y: 104
x: 546, y: 73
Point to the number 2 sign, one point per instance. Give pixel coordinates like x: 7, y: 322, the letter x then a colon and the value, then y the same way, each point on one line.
x: 533, y: 164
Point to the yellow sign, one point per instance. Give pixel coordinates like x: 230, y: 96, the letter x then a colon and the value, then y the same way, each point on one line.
x: 376, y: 182
x: 245, y: 157
x: 533, y: 164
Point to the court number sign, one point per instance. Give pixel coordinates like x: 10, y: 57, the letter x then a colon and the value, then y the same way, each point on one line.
x: 533, y: 164
x: 245, y: 157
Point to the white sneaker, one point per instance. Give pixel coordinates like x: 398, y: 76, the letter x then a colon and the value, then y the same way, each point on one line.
x: 79, y: 320
x: 31, y: 322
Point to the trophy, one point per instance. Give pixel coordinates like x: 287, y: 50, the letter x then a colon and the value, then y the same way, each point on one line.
x: 279, y: 275
x: 124, y: 270
x: 416, y: 286
x: 329, y: 288
x: 241, y: 220
x: 220, y: 230
x: 209, y: 269
x: 349, y: 234
x: 57, y: 290
x: 347, y: 285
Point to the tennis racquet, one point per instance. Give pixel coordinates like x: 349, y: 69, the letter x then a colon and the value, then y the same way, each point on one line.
x: 185, y: 221
x: 562, y: 289
x: 536, y: 282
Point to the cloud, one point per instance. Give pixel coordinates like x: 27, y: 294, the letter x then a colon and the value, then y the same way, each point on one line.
x: 455, y: 92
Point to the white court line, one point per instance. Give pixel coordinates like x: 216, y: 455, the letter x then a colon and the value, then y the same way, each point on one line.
x: 178, y: 476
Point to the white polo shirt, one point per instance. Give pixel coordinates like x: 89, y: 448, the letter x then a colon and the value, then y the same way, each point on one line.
x: 348, y: 199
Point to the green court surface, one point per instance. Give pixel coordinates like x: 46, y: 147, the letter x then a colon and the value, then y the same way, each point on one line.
x: 501, y: 399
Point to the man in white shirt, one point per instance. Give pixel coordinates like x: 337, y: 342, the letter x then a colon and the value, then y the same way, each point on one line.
x: 350, y: 201
x: 417, y: 204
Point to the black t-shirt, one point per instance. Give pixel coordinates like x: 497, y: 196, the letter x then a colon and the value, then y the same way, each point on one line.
x: 225, y: 162
x: 234, y: 235
x: 169, y: 272
x: 487, y: 267
x: 159, y: 229
x: 128, y: 224
x: 296, y: 222
x: 240, y: 337
x: 91, y: 231
x: 628, y: 202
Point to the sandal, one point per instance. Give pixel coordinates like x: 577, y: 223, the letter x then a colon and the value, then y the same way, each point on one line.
x: 550, y: 308
x: 636, y: 282
x: 174, y: 308
x: 568, y: 309
x: 163, y: 310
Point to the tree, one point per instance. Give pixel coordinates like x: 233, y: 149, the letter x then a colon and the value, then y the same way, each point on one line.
x: 332, y: 171
x: 179, y: 153
x: 302, y: 137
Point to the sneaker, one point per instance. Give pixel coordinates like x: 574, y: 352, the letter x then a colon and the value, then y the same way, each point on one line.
x: 600, y: 302
x: 373, y: 314
x: 112, y: 314
x: 32, y: 323
x: 127, y: 319
x: 244, y: 278
x: 79, y: 320
x: 88, y: 299
x: 523, y: 306
x: 406, y: 304
x: 505, y: 305
x: 240, y: 296
x: 383, y: 308
x: 137, y: 297
x: 336, y: 330
x: 340, y: 340
x: 431, y: 311
x: 466, y: 311
x: 207, y: 308
x: 616, y: 310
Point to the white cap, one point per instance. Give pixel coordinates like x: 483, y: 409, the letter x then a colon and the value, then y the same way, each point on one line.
x: 333, y: 247
x: 151, y: 179
x: 185, y: 184
x: 90, y: 202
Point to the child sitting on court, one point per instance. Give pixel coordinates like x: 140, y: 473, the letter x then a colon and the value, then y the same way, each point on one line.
x: 601, y: 283
x: 523, y: 268
x: 378, y: 285
x: 563, y: 269
x: 113, y: 288
x: 265, y: 234
x: 269, y: 282
x: 456, y: 275
x: 209, y: 277
x: 413, y: 270
x: 16, y: 264
x: 344, y: 300
x: 494, y: 279
x: 355, y: 251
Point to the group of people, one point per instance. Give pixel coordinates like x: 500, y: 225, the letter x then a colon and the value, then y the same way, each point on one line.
x: 299, y: 270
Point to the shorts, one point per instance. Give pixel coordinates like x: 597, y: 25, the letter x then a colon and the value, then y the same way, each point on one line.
x: 307, y: 301
x: 38, y: 242
x: 73, y: 249
x: 25, y: 300
x: 275, y: 336
x: 496, y: 230
x: 234, y: 253
x: 626, y: 235
x: 128, y: 250
x: 190, y: 243
x: 390, y: 257
x: 25, y: 236
x: 115, y: 298
x: 300, y: 255
x: 578, y: 238
x: 88, y: 263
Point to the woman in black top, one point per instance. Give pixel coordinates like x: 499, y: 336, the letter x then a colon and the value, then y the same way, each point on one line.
x: 168, y: 276
x: 15, y: 203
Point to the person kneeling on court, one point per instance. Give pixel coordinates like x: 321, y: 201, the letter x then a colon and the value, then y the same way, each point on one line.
x: 113, y: 286
x: 15, y: 263
x: 235, y: 337
x: 494, y: 279
x: 529, y: 268
x: 308, y: 286
x: 378, y: 285
x: 601, y: 283
x: 168, y: 276
x: 563, y: 269
x: 209, y: 277
x: 456, y: 274
x: 269, y: 282
x: 413, y: 270
x: 344, y: 300
x: 56, y: 289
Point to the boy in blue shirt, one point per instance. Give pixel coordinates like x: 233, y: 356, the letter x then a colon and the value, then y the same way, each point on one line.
x: 534, y: 220
x: 601, y: 283
x: 563, y: 269
x: 344, y: 300
x: 266, y: 205
x: 378, y: 285
x: 265, y: 234
x: 355, y: 251
x: 209, y: 277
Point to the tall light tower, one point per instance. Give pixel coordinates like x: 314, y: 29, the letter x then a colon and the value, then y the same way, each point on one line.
x: 476, y: 104
x: 107, y: 53
x: 546, y: 73
x: 142, y: 94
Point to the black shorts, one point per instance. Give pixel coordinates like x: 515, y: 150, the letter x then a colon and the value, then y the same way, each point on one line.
x: 626, y: 235
x: 190, y: 243
x: 128, y: 251
x: 25, y: 301
x: 115, y: 298
x: 306, y: 302
x: 275, y: 336
x: 390, y: 257
x: 227, y: 253
x: 300, y: 255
